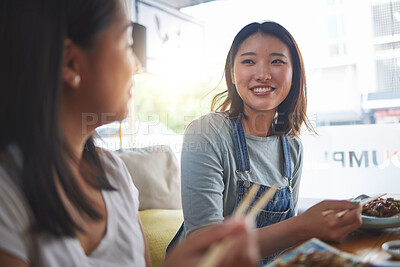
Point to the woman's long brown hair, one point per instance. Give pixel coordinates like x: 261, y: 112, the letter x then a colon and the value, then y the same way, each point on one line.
x: 32, y: 52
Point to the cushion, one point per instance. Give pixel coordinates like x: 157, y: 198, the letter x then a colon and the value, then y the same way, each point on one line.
x: 155, y: 173
x: 159, y: 227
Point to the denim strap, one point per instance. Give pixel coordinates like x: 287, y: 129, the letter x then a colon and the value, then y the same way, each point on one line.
x: 287, y: 166
x: 239, y: 140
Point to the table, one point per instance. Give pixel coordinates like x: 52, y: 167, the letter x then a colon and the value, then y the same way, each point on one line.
x: 366, y: 244
x: 363, y: 243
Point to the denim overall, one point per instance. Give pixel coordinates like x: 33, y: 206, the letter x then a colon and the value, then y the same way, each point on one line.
x: 280, y: 207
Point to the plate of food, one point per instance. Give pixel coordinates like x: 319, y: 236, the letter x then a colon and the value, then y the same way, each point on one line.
x: 314, y: 252
x: 384, y: 212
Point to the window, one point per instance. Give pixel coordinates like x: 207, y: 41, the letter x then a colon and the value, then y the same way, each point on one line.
x: 337, y: 34
x: 351, y: 50
x: 386, y: 19
x: 388, y: 75
x: 386, y: 25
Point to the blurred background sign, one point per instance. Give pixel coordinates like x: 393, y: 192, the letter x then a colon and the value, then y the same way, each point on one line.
x: 347, y: 161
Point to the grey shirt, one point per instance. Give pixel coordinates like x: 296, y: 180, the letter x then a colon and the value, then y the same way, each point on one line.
x: 209, y: 163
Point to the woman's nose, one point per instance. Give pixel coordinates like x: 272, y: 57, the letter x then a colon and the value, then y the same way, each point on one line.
x: 263, y: 74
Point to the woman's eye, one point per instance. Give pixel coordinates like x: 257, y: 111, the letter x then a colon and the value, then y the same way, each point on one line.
x: 247, y: 61
x: 279, y: 61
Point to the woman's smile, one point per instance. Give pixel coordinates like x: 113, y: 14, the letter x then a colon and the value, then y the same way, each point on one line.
x: 262, y: 90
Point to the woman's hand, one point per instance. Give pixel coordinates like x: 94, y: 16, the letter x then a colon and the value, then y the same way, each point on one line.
x: 331, y: 227
x: 244, y: 250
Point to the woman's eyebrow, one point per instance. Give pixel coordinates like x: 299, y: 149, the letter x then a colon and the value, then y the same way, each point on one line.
x: 278, y: 54
x: 248, y: 54
x: 272, y: 54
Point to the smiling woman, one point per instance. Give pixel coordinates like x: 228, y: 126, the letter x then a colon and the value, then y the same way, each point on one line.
x: 252, y: 138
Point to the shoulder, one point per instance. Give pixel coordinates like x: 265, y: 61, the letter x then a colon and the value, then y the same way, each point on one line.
x: 296, y: 149
x: 213, y: 123
x: 11, y: 195
x: 111, y: 160
x: 295, y: 143
x: 15, y: 215
x: 116, y: 170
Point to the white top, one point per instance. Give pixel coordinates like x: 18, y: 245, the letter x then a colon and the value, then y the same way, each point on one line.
x: 122, y: 245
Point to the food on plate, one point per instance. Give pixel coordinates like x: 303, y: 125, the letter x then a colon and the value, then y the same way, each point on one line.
x: 382, y: 207
x: 321, y: 259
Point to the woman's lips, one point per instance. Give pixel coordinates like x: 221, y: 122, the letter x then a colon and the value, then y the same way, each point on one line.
x: 260, y: 91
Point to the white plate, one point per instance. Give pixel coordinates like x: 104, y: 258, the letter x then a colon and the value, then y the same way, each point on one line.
x: 393, y: 248
x: 309, y: 247
x: 315, y: 244
x: 369, y: 222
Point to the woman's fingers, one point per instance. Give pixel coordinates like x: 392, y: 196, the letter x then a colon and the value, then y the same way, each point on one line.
x: 351, y: 221
x: 246, y: 251
x: 328, y: 225
x: 336, y: 227
x: 208, y: 235
x: 192, y: 250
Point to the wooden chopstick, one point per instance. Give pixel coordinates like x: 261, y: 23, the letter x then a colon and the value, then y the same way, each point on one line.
x: 362, y: 203
x: 326, y: 212
x: 258, y: 206
x: 245, y: 203
x: 341, y: 213
x: 218, y: 250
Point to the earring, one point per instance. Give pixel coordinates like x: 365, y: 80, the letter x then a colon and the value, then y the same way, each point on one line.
x: 77, y: 79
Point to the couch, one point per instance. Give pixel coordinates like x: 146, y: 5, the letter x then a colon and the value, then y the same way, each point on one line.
x: 155, y: 172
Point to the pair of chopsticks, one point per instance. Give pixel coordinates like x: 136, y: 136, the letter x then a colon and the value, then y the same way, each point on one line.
x: 259, y: 204
x: 212, y: 258
x: 362, y: 203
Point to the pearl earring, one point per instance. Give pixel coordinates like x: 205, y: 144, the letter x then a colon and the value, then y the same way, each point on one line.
x: 77, y: 79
